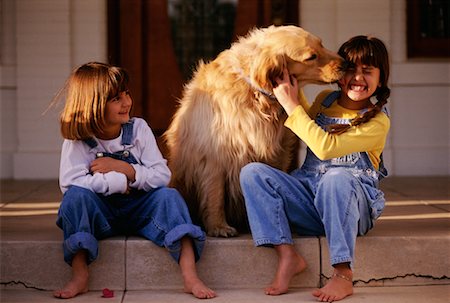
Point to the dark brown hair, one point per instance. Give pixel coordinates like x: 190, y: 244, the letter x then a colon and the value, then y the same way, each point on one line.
x: 370, y: 51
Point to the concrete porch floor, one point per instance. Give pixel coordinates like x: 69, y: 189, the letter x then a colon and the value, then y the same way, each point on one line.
x: 414, y: 206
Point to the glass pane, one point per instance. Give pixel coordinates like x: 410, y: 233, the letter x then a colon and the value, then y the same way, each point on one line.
x: 201, y: 29
x: 434, y: 18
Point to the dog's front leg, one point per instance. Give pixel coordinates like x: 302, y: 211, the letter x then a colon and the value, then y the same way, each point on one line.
x: 212, y: 209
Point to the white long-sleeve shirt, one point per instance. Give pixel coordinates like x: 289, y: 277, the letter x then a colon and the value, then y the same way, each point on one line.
x: 151, y: 171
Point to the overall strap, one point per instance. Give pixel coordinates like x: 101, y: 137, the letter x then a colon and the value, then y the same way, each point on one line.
x: 127, y: 134
x: 385, y: 110
x: 90, y: 142
x: 383, y: 172
x: 331, y: 98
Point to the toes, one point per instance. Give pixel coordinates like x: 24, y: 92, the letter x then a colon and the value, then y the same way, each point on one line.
x: 66, y: 295
x: 268, y: 291
x: 317, y: 293
x: 273, y: 291
x: 324, y: 297
x: 211, y: 295
x: 320, y: 295
x: 205, y: 294
x: 208, y: 294
x: 57, y: 294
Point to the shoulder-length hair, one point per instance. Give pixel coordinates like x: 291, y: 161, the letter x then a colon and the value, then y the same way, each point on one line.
x: 87, y: 90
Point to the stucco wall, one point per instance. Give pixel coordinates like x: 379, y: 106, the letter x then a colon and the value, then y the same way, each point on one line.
x: 42, y: 40
x: 45, y: 39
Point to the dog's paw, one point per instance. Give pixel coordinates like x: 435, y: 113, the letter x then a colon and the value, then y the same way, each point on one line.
x: 222, y: 231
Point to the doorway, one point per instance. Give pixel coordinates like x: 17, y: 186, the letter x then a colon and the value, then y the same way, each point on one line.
x: 159, y: 42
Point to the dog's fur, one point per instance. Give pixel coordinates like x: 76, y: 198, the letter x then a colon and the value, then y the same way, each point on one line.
x: 226, y: 119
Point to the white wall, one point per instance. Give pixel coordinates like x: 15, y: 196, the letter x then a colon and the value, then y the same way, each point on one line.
x: 8, y: 88
x: 51, y: 38
x: 42, y: 40
x: 420, y: 106
x: 418, y: 144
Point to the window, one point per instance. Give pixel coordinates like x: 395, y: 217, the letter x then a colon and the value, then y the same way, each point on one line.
x: 428, y: 28
x: 201, y: 29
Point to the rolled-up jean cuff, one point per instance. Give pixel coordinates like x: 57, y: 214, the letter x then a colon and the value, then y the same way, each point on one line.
x: 271, y: 243
x: 339, y: 260
x: 173, y: 237
x: 77, y: 242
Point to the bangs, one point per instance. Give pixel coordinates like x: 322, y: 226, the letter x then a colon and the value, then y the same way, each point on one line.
x: 118, y: 82
x: 364, y: 50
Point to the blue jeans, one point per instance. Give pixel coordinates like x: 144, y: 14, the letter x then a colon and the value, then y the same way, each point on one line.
x: 333, y: 204
x: 160, y: 215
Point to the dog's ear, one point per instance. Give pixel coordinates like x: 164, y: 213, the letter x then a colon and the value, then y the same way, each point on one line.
x: 265, y: 68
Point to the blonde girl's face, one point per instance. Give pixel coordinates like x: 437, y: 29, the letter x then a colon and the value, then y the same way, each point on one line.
x: 360, y: 82
x: 117, y: 111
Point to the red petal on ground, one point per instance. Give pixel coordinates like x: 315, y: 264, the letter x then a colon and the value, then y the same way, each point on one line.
x: 107, y: 293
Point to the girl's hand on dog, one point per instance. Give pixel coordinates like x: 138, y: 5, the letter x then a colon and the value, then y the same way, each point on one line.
x: 286, y: 91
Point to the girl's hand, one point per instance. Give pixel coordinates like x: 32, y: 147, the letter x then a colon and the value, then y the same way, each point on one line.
x: 106, y: 164
x: 286, y: 91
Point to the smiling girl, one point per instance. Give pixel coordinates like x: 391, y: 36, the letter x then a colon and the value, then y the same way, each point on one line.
x: 114, y: 180
x: 335, y: 193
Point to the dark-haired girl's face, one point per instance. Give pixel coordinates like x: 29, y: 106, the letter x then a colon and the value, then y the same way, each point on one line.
x: 359, y: 83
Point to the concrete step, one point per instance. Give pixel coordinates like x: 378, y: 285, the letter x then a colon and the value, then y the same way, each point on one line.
x: 397, y: 294
x: 137, y: 264
x: 408, y: 247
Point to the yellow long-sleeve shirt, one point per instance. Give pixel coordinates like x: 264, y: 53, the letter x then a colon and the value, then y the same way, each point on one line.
x: 368, y: 137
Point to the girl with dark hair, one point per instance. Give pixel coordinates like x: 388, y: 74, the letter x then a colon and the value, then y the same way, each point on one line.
x: 335, y: 193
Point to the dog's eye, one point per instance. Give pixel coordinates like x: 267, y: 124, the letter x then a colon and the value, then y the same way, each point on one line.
x: 312, y: 57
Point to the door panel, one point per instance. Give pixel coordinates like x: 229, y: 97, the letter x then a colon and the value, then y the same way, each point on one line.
x: 163, y: 82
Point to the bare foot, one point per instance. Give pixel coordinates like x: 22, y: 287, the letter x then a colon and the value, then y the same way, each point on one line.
x: 338, y: 287
x: 290, y: 263
x: 76, y: 286
x: 192, y: 284
x: 198, y: 289
x: 80, y: 278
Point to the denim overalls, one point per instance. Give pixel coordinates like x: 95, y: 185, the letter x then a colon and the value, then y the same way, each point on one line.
x: 338, y: 198
x: 159, y: 215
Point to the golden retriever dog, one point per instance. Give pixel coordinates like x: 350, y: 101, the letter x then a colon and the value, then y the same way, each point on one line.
x: 228, y: 117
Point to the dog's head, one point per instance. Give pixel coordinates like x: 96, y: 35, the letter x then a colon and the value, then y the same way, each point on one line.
x: 298, y: 50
